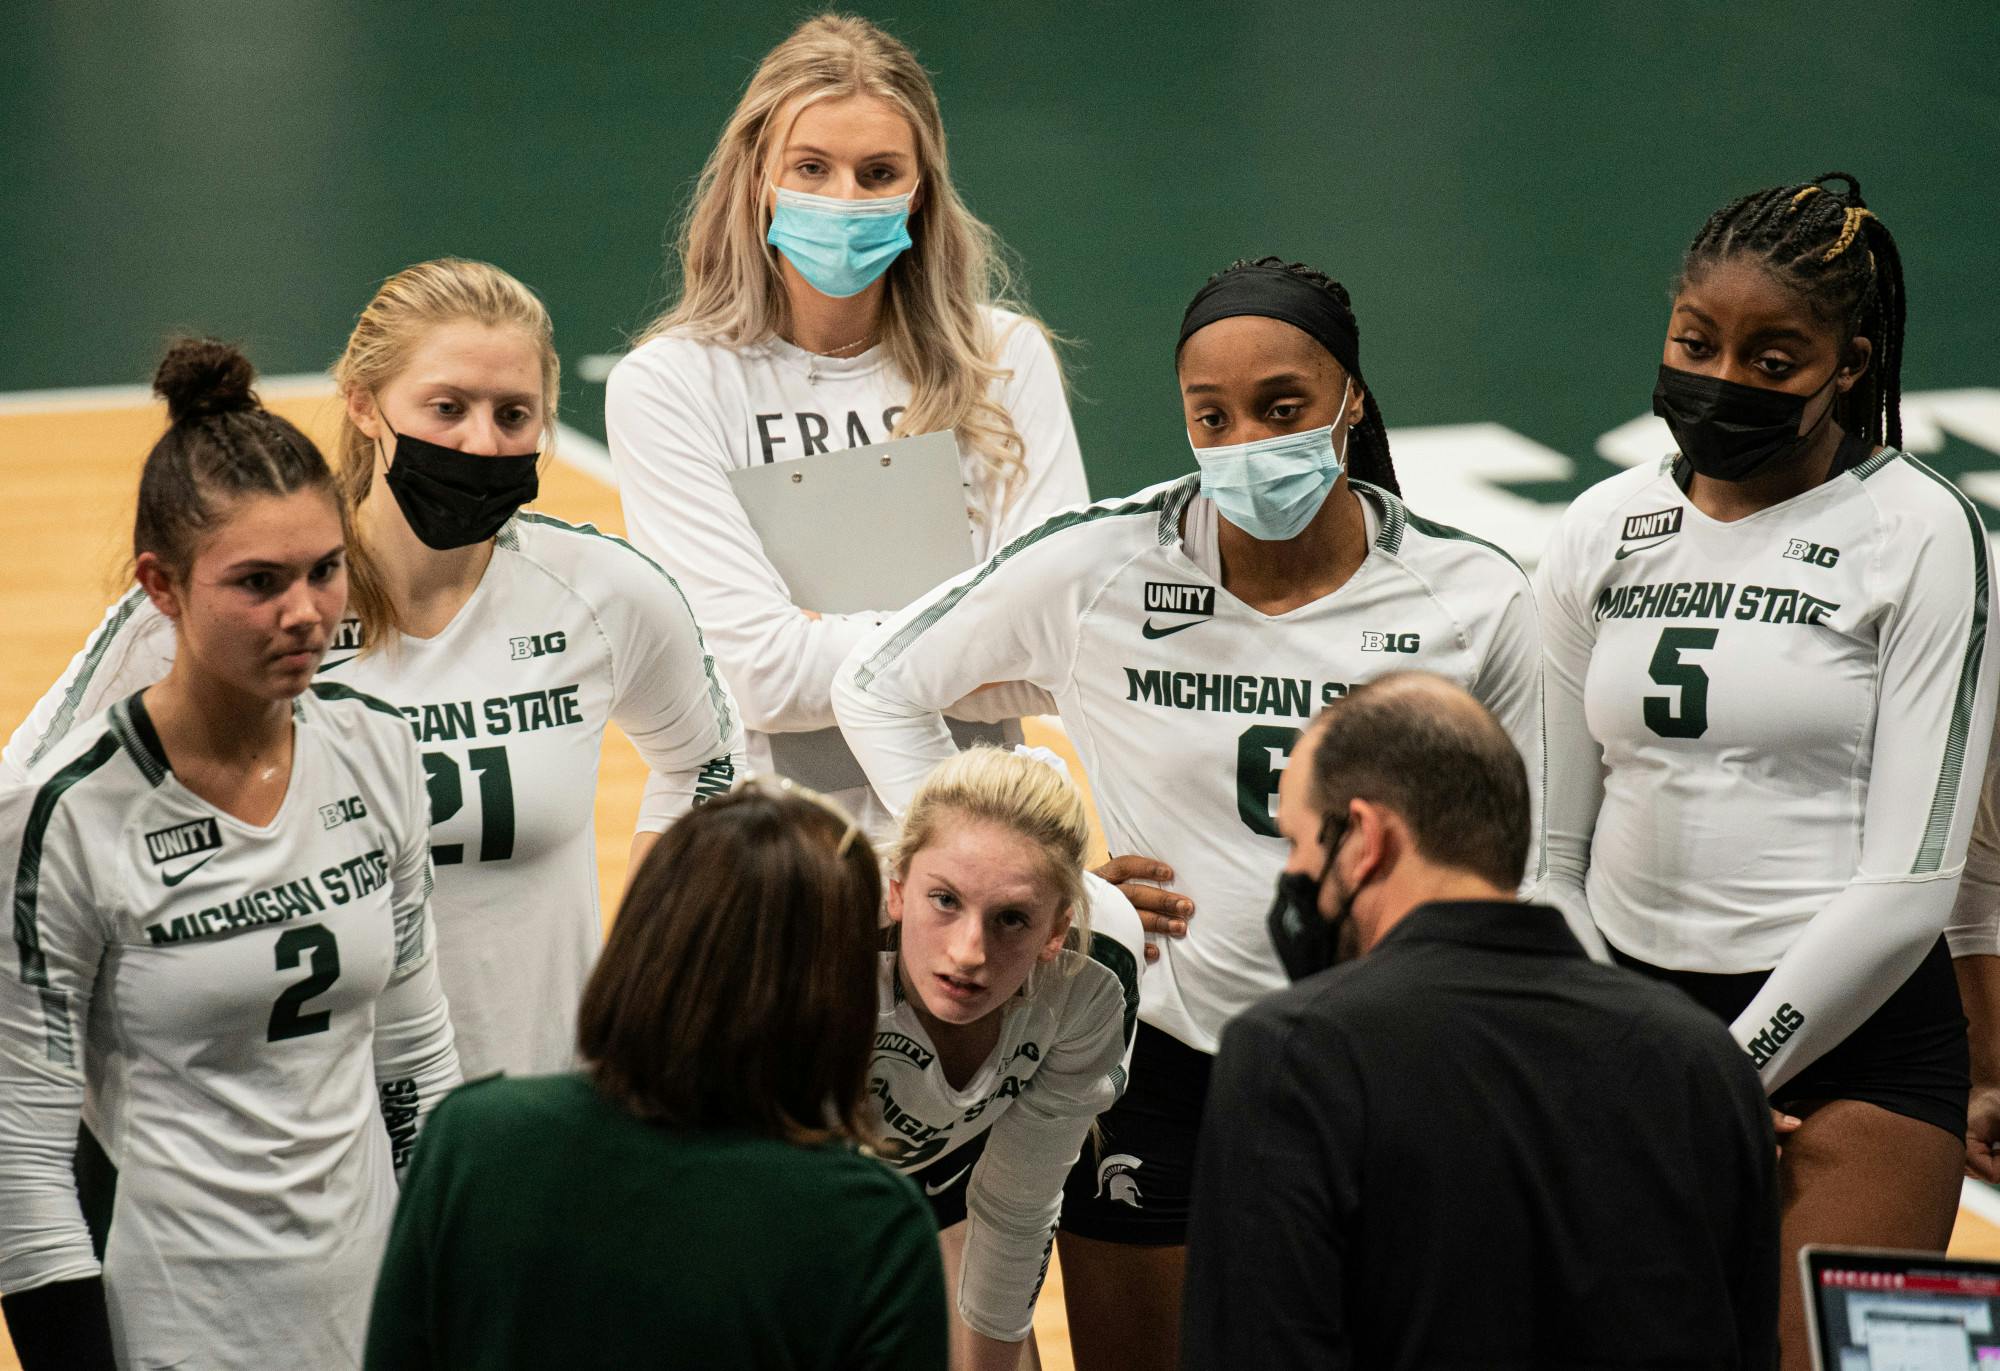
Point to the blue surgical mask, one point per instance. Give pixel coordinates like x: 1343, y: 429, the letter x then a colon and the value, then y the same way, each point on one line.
x: 839, y: 246
x: 1272, y: 488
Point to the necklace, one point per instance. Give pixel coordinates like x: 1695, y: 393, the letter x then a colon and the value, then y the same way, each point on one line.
x: 813, y: 358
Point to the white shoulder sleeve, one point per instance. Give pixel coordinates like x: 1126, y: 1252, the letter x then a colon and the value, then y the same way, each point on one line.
x: 131, y: 649
x: 45, y: 994
x: 1575, y: 762
x: 1933, y: 723
x: 1033, y: 397
x: 668, y: 696
x: 1015, y: 1195
x: 416, y: 1059
x: 668, y: 452
x: 1012, y: 618
x: 1974, y: 929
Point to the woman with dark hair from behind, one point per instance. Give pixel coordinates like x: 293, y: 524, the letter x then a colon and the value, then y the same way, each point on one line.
x: 695, y: 1196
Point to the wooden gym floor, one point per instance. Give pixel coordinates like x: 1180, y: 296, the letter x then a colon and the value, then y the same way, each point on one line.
x: 72, y: 460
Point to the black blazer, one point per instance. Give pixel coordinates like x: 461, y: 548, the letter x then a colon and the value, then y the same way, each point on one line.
x: 1477, y: 1148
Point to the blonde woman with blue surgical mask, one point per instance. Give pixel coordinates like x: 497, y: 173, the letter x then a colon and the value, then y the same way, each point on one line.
x: 834, y: 292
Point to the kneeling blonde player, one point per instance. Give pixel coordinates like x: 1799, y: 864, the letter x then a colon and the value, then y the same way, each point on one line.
x: 1009, y: 994
x: 220, y: 890
x: 1187, y: 634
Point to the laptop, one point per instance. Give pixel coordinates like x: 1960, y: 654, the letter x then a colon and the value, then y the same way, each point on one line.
x: 1872, y: 1310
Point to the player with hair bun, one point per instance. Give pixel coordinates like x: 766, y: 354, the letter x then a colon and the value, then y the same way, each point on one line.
x: 1770, y: 694
x: 1187, y: 634
x: 510, y: 640
x: 222, y: 949
x: 1009, y: 994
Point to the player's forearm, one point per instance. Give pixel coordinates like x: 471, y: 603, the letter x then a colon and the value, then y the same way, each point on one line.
x: 1853, y: 955
x: 1979, y: 989
x: 416, y: 1057
x: 896, y: 739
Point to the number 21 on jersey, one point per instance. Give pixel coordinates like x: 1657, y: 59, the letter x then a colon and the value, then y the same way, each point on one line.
x: 445, y: 780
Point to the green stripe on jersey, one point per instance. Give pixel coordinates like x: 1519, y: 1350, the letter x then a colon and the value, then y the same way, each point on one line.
x: 1116, y: 958
x: 334, y: 690
x: 1861, y: 471
x: 1396, y: 515
x: 1068, y: 519
x: 718, y: 698
x: 73, y: 697
x: 60, y: 1045
x: 133, y: 727
x: 1944, y: 803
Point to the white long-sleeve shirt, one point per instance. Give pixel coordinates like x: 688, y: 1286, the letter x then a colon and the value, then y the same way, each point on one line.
x: 568, y: 631
x: 1064, y: 1053
x: 255, y: 1016
x: 1184, y: 702
x: 682, y: 414
x: 1766, y: 736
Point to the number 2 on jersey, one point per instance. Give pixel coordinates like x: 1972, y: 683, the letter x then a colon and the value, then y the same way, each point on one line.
x: 1669, y: 670
x: 316, y: 942
x: 446, y: 783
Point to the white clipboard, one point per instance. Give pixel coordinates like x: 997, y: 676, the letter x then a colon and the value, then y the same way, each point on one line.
x: 870, y: 528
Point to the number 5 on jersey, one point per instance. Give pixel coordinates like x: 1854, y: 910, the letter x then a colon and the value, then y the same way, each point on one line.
x: 1668, y: 668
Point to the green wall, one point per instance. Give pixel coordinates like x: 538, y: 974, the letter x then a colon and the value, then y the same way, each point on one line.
x: 1505, y: 188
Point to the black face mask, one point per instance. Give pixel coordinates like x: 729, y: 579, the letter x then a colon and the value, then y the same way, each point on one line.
x: 1307, y: 941
x: 1730, y: 432
x: 455, y: 499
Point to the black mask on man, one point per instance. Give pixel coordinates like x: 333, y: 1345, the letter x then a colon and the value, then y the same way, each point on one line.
x: 1730, y: 432
x: 455, y: 499
x: 1307, y: 941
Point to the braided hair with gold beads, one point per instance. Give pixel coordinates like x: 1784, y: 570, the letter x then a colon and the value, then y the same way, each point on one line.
x: 1823, y: 242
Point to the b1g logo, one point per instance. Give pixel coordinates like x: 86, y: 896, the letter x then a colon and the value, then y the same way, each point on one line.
x: 1390, y: 642
x: 1812, y: 554
x: 537, y: 645
x: 342, y: 811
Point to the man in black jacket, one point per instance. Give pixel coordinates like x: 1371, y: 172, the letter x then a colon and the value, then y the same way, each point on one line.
x: 1472, y: 1147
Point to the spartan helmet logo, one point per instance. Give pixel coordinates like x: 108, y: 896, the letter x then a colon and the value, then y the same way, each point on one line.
x: 1114, y: 1176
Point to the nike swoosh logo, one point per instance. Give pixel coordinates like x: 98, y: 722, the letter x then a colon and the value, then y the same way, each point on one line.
x: 942, y: 1186
x: 329, y: 663
x: 1627, y: 549
x: 167, y: 880
x: 1147, y: 630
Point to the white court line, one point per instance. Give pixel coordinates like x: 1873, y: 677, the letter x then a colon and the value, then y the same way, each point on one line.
x: 574, y: 448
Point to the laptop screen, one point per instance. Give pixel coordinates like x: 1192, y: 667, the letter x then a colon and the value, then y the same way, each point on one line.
x: 1902, y: 1311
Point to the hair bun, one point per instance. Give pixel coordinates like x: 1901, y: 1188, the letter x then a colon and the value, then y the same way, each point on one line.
x: 1852, y: 195
x: 201, y: 376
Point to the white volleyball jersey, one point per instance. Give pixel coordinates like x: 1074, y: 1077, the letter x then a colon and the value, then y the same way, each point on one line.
x: 1184, y: 702
x: 1065, y: 1048
x: 255, y: 1016
x: 568, y: 630
x: 1767, y: 734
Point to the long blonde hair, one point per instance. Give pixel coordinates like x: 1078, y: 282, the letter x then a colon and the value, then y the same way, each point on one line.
x: 1017, y: 792
x: 935, y: 322
x: 408, y: 306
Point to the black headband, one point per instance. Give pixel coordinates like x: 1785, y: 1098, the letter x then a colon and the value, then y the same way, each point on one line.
x: 1275, y: 293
